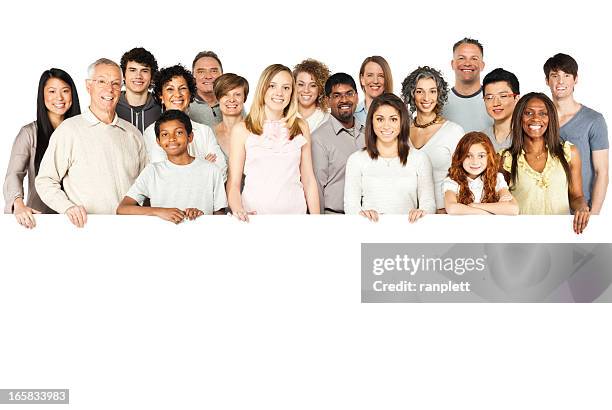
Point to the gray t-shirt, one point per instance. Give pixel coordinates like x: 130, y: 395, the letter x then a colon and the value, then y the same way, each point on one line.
x: 469, y: 111
x: 498, y: 146
x: 587, y: 130
x: 196, y: 185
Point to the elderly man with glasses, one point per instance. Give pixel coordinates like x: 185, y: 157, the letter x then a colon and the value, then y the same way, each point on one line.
x: 92, y: 158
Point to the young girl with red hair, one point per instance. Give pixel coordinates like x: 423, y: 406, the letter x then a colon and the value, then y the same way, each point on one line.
x: 473, y: 185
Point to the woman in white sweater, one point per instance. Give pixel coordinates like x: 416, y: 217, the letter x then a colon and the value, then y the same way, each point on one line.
x: 387, y: 176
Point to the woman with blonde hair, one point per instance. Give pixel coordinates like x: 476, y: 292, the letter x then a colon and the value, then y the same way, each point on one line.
x: 272, y: 148
x: 310, y: 77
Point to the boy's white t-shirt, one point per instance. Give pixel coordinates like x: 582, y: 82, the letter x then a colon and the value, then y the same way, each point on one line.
x: 196, y: 185
x: 475, y: 185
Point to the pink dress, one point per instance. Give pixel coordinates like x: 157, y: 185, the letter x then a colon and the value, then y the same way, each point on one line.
x: 272, y: 182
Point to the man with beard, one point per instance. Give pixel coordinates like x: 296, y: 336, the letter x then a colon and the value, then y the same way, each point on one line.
x: 335, y: 140
x: 465, y: 104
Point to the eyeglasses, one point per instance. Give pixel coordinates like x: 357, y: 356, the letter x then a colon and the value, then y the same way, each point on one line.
x: 503, y: 97
x: 337, y: 96
x: 104, y: 83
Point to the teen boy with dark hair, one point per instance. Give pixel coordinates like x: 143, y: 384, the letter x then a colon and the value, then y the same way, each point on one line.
x: 181, y: 187
x: 136, y: 103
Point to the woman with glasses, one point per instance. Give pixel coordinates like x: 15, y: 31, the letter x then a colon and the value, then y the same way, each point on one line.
x: 272, y: 148
x: 544, y: 173
x: 425, y: 92
x: 501, y: 91
x: 57, y: 100
x: 175, y: 89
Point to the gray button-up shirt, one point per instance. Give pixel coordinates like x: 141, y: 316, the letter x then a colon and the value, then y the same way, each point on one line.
x: 332, y: 144
x: 200, y: 111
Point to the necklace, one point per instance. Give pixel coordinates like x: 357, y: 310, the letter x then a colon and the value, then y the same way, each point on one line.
x: 430, y: 123
x: 538, y: 156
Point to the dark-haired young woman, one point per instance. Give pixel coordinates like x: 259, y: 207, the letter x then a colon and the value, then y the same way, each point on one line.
x: 544, y: 173
x: 387, y: 176
x: 57, y: 100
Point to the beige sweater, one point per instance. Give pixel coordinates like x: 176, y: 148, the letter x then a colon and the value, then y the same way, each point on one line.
x: 21, y: 164
x: 90, y: 163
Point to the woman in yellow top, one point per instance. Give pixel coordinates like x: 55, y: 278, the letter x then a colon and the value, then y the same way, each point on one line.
x: 544, y: 172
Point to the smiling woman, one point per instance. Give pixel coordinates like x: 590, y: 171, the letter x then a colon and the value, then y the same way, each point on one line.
x: 231, y: 91
x: 375, y: 79
x: 175, y: 88
x: 57, y: 100
x: 425, y: 92
x: 272, y: 149
x: 388, y: 176
x: 310, y: 77
x: 544, y: 173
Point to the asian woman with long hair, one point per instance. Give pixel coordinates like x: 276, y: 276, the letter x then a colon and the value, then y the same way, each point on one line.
x: 57, y: 100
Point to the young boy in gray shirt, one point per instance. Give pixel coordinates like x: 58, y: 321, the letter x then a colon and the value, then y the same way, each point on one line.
x: 181, y: 187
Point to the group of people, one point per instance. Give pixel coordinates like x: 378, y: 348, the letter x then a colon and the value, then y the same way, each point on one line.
x: 178, y: 144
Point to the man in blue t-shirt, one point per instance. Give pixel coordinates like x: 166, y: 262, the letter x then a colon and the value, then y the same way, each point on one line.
x: 582, y: 126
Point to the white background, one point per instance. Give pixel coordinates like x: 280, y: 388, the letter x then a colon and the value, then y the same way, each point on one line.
x: 136, y: 313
